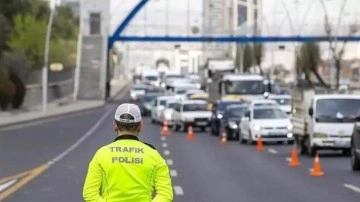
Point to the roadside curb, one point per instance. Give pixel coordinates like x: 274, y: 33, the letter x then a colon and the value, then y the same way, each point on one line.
x: 65, y: 111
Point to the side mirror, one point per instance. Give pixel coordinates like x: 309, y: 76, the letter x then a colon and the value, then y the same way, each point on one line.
x: 311, y: 111
x: 220, y: 87
x: 247, y: 114
x: 357, y: 119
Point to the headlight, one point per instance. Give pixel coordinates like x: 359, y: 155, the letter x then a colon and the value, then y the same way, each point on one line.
x: 177, y: 97
x: 320, y: 135
x: 290, y: 135
x: 257, y: 128
x: 219, y: 116
x: 133, y: 94
x: 233, y: 125
x: 163, y: 85
x: 198, y: 85
x: 290, y: 126
x: 167, y: 115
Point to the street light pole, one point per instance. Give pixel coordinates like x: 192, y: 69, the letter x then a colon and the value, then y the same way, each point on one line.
x: 45, y: 69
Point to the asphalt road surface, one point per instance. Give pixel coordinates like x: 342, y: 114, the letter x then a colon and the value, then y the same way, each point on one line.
x: 47, y: 161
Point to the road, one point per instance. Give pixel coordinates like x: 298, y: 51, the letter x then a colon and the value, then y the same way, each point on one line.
x: 47, y: 161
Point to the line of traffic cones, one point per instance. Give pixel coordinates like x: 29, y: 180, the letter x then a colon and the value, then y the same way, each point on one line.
x: 294, y: 160
x: 165, y: 129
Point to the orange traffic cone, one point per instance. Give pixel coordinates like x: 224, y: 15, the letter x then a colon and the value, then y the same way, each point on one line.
x: 260, y: 145
x: 294, y: 161
x: 223, y: 140
x: 316, y: 171
x: 165, y: 129
x: 190, y: 135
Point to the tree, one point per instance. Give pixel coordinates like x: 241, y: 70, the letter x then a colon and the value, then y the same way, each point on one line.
x: 258, y: 55
x: 308, y: 60
x: 28, y: 36
x: 9, y: 9
x: 5, y: 30
x: 336, y: 51
x: 247, y: 57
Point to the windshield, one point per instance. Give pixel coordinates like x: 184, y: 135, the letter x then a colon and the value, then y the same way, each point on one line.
x: 162, y: 102
x: 174, y: 76
x: 283, y: 101
x: 271, y: 113
x: 170, y: 105
x: 337, y: 110
x: 194, y: 107
x: 244, y: 87
x: 222, y: 105
x: 237, y: 112
x: 139, y: 88
x: 150, y: 98
x: 151, y: 78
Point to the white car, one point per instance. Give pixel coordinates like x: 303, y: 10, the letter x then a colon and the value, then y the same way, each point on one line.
x: 180, y: 91
x: 191, y: 92
x: 191, y: 112
x: 158, y: 107
x: 137, y: 92
x: 167, y: 113
x: 269, y: 122
x: 284, y: 101
x: 263, y: 102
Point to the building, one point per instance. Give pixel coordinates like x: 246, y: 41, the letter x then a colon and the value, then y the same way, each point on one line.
x: 227, y: 18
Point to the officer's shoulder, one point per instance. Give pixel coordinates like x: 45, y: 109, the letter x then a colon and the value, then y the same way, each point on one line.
x: 150, y: 145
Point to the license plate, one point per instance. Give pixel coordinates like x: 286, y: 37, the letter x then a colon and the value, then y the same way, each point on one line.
x: 273, y: 133
x: 202, y: 123
x: 341, y: 143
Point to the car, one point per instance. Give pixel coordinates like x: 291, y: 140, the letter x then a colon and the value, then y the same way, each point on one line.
x: 218, y: 113
x: 137, y: 92
x: 179, y: 91
x: 284, y: 101
x: 167, y: 113
x: 153, y: 89
x: 200, y: 96
x: 231, y: 120
x: 158, y: 107
x: 355, y: 146
x: 193, y: 113
x: 169, y: 78
x: 263, y: 102
x: 148, y: 102
x: 269, y: 122
x: 192, y: 92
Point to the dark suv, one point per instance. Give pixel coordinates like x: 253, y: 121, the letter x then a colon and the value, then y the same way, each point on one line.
x: 218, y: 114
x: 355, y: 146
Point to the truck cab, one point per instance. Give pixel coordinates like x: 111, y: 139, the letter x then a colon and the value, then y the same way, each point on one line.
x: 246, y: 86
x: 323, y: 121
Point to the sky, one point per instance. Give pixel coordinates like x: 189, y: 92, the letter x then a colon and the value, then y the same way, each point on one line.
x: 275, y: 15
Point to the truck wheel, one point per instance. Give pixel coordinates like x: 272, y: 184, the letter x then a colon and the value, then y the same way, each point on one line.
x: 355, y: 159
x: 184, y: 127
x: 300, y: 146
x: 310, y: 150
x: 346, y: 152
x: 176, y: 127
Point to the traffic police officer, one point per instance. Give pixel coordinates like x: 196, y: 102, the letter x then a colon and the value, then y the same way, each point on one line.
x: 127, y: 169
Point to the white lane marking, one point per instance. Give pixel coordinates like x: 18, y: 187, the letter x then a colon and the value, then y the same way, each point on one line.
x: 273, y: 151
x: 163, y: 138
x: 288, y: 159
x: 164, y: 145
x: 7, y: 184
x: 170, y: 162
x: 352, y: 187
x: 81, y: 140
x: 178, y: 190
x: 167, y: 152
x: 173, y: 173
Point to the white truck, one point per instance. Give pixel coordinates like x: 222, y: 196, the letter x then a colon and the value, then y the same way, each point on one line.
x: 247, y: 87
x: 323, y: 120
x: 151, y: 77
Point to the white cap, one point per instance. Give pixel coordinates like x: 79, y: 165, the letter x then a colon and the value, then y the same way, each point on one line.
x: 128, y: 108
